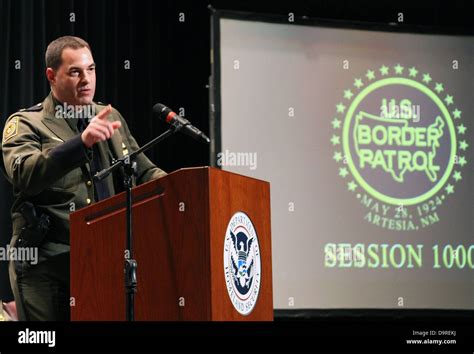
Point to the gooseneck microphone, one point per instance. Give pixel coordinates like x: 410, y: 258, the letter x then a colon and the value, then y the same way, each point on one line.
x: 170, y: 117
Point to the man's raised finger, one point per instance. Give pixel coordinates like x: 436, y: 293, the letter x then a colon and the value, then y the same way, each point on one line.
x: 104, y: 113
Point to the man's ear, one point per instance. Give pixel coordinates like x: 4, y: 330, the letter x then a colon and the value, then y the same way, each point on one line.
x: 51, y: 76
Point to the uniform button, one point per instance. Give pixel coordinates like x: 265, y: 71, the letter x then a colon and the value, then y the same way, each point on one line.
x: 88, y: 201
x: 89, y: 183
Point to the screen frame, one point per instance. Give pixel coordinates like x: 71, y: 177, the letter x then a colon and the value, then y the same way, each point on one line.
x: 215, y: 111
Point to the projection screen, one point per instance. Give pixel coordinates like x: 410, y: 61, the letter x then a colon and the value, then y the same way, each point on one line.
x: 366, y: 138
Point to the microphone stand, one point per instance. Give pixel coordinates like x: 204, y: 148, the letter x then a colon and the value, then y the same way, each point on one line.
x: 130, y: 166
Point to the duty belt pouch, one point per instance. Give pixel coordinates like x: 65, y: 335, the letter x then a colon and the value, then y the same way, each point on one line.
x: 36, y: 229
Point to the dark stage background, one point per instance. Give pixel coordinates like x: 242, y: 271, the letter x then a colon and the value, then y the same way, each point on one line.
x: 169, y: 59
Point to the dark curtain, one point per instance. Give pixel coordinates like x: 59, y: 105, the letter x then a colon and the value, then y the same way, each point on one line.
x: 168, y: 63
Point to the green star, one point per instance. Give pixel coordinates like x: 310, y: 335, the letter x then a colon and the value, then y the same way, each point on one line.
x: 358, y: 83
x: 439, y: 87
x: 449, y: 189
x: 343, y: 172
x: 462, y: 161
x: 426, y: 78
x: 398, y: 69
x: 336, y: 123
x: 383, y: 70
x: 457, y: 176
x: 449, y: 100
x: 412, y: 71
x: 348, y: 94
x: 457, y: 113
x: 340, y: 107
x: 351, y: 186
x: 335, y: 140
x: 337, y: 156
x: 370, y: 75
x: 463, y: 145
x: 461, y: 129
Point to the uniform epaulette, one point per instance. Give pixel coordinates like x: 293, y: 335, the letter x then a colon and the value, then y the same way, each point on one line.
x: 36, y: 108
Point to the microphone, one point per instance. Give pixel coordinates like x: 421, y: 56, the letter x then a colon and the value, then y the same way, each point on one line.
x: 180, y: 123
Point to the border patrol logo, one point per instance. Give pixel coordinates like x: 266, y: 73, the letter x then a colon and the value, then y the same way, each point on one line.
x: 242, y: 266
x: 399, y: 140
x: 11, y: 129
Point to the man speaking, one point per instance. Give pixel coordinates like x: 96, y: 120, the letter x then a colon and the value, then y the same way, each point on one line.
x: 50, y: 153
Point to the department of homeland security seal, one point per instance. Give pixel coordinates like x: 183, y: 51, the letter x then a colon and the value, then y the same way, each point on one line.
x: 242, y: 266
x: 400, y: 144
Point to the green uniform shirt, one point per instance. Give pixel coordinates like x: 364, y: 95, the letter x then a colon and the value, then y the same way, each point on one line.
x: 47, y: 164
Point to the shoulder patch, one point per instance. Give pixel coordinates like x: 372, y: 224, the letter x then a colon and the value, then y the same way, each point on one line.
x: 11, y: 129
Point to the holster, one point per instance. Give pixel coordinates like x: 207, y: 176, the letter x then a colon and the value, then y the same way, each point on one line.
x: 36, y: 228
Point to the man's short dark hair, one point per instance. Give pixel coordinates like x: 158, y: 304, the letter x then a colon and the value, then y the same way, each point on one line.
x: 55, y: 49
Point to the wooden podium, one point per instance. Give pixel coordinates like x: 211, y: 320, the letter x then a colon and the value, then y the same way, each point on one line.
x: 179, y: 223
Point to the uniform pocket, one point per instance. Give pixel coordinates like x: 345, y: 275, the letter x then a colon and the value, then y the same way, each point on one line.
x: 68, y: 182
